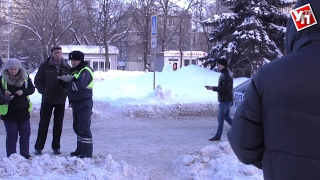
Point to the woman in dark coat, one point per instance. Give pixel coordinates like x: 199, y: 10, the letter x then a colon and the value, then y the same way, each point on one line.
x: 16, y: 83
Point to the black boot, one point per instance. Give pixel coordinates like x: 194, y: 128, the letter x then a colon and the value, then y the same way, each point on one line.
x: 77, y: 152
x: 215, y: 138
x: 86, y: 150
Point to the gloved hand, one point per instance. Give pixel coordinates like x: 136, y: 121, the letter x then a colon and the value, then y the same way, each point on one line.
x: 66, y: 78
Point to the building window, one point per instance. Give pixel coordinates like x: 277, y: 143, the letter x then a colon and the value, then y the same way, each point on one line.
x: 175, y: 38
x: 172, y: 23
x: 193, y: 61
x: 125, y: 54
x: 186, y: 62
x: 121, y: 68
x: 108, y: 66
x: 95, y: 66
x: 101, y: 65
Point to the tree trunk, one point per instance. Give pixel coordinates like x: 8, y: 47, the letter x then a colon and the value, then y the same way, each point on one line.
x: 107, y: 64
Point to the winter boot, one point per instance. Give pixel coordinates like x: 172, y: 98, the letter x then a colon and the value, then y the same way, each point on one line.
x: 77, y: 152
x: 86, y: 150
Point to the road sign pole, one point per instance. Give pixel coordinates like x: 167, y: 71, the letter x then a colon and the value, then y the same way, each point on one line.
x: 154, y: 69
x: 154, y: 45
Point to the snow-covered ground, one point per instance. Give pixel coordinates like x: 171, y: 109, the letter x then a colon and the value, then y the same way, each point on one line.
x: 152, y: 134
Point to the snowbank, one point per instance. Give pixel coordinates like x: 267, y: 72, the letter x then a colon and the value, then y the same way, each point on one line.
x: 66, y: 168
x: 166, y: 110
x: 214, y: 162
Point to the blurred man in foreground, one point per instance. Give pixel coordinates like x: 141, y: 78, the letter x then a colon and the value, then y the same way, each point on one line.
x: 276, y: 128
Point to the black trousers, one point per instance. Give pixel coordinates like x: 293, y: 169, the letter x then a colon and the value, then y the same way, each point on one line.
x: 45, y: 116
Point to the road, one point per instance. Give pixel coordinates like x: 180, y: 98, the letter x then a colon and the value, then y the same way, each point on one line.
x: 147, y: 143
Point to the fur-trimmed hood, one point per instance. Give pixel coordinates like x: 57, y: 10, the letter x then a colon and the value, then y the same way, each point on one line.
x: 16, y: 80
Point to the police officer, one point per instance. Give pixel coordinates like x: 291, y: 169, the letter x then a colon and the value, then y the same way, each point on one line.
x: 80, y: 97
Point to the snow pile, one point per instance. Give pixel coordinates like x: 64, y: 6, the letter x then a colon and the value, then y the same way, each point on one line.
x: 131, y: 94
x: 159, y: 93
x: 66, y: 168
x: 167, y: 68
x: 161, y: 109
x: 214, y: 162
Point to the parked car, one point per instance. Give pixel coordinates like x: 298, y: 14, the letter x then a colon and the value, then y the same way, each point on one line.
x: 238, y: 96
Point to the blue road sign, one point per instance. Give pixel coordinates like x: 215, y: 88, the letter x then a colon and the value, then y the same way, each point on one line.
x: 153, y: 25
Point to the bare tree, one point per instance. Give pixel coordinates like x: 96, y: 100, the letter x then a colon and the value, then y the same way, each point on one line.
x: 82, y: 14
x: 42, y: 20
x: 183, y: 29
x: 201, y: 12
x: 204, y: 10
x: 140, y: 15
x: 109, y: 27
x: 38, y: 24
x: 165, y: 8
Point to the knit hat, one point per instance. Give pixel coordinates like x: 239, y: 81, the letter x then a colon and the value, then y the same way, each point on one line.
x: 13, y: 63
x: 55, y: 47
x: 222, y: 61
x: 76, y: 55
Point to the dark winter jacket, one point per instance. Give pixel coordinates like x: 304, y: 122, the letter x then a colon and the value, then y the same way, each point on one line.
x: 225, y: 86
x: 277, y: 127
x: 78, y: 92
x: 47, y: 83
x: 19, y: 105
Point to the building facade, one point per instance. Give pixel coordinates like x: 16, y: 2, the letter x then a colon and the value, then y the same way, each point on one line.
x: 95, y: 56
x: 175, y: 60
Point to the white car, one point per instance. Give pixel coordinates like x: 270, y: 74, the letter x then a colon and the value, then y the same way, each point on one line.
x: 238, y: 96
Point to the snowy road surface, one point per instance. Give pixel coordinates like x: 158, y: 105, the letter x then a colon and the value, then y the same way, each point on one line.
x: 152, y: 145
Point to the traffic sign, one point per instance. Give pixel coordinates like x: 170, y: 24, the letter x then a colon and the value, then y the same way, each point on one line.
x: 154, y: 25
x: 153, y: 42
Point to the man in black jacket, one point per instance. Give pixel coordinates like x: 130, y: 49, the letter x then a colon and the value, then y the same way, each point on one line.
x: 277, y: 126
x: 53, y: 99
x: 225, y: 96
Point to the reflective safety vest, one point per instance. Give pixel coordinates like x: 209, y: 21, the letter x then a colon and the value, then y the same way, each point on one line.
x: 4, y: 107
x: 76, y: 75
